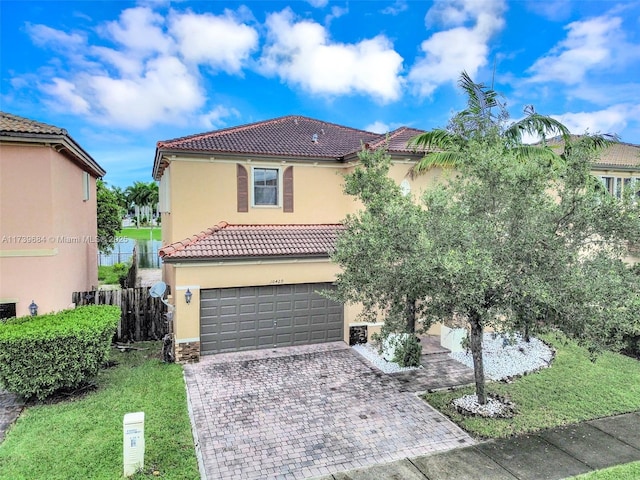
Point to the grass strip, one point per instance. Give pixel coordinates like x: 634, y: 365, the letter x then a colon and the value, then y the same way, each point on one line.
x: 629, y: 471
x: 142, y: 233
x: 572, y: 390
x: 81, y: 437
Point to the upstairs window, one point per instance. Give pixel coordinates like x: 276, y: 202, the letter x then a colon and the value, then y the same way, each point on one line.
x: 86, y: 186
x: 266, y: 186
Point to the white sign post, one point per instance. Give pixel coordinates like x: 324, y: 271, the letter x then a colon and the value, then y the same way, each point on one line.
x: 133, y: 445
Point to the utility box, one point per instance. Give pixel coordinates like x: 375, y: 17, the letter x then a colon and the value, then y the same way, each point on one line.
x: 133, y: 445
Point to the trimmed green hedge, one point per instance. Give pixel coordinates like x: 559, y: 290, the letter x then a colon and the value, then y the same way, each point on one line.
x: 39, y: 355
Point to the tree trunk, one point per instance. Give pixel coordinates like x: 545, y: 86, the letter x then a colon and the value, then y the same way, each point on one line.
x: 475, y: 343
x: 410, y: 315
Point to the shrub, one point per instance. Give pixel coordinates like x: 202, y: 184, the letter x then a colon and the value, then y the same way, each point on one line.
x: 113, y: 274
x: 408, y: 352
x: 43, y: 354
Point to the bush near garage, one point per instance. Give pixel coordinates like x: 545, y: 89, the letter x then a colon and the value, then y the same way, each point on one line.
x: 43, y: 354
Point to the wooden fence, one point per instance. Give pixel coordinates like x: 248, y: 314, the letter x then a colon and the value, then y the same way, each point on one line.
x: 143, y: 317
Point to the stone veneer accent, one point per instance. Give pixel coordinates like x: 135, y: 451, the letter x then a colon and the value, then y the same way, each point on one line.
x: 188, y: 352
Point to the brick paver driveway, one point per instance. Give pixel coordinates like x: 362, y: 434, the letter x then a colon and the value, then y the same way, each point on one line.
x: 306, y: 411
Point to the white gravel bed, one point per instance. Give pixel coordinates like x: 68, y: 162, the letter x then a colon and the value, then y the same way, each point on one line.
x: 493, y: 407
x: 371, y: 354
x: 503, y: 360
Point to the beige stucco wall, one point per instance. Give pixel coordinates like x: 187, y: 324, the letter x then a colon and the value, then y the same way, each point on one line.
x: 203, y: 193
x: 48, y: 232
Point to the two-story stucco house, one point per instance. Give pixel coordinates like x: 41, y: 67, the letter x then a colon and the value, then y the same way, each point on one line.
x: 48, y: 223
x: 249, y: 216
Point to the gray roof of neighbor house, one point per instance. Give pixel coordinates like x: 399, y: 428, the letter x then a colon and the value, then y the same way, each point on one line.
x: 23, y: 130
x: 616, y: 156
x: 233, y: 242
x: 292, y: 136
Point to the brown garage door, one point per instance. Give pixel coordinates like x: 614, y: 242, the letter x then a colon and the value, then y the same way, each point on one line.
x: 248, y: 318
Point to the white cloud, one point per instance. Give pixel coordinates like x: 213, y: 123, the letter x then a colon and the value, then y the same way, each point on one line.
x: 395, y: 9
x: 66, y: 94
x: 589, y: 44
x: 378, y: 127
x: 610, y: 120
x: 214, y: 118
x: 301, y: 53
x: 219, y: 41
x: 318, y: 3
x: 144, y: 68
x: 140, y: 30
x: 166, y: 91
x: 42, y: 35
x: 461, y: 47
x: 553, y: 10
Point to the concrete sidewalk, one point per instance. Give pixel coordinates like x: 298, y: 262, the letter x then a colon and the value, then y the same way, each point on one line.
x: 548, y: 455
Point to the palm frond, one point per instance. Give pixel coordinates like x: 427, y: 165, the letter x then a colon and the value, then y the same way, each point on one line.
x: 447, y: 159
x: 526, y: 153
x: 480, y: 99
x: 438, y: 139
x: 536, y: 124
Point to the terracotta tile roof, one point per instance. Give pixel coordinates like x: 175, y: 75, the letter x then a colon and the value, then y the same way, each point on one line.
x: 288, y: 136
x: 292, y: 136
x: 16, y: 124
x: 23, y: 130
x: 224, y: 241
x: 397, y: 140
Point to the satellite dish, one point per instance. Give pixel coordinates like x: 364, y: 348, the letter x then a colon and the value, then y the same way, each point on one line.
x: 158, y: 289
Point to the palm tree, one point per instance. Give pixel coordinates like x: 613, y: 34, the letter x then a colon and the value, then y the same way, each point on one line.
x: 142, y: 196
x: 485, y: 115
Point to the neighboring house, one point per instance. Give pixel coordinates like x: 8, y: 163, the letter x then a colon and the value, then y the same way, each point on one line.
x: 249, y: 216
x: 618, y: 166
x: 48, y: 226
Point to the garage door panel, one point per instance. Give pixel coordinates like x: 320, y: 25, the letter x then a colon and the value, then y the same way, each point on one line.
x: 286, y: 307
x: 266, y: 307
x: 248, y: 318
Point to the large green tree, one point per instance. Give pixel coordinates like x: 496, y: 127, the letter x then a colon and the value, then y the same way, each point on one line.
x: 506, y: 244
x: 109, y: 216
x: 381, y: 250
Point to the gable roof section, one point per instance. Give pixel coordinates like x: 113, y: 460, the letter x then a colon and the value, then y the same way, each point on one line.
x: 292, y: 136
x: 23, y: 130
x: 233, y: 242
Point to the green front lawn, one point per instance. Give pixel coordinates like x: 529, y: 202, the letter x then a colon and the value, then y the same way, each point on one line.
x: 630, y: 471
x: 81, y: 438
x: 572, y: 390
x: 142, y: 233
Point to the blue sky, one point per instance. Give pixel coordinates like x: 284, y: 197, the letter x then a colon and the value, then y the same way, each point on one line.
x: 120, y: 76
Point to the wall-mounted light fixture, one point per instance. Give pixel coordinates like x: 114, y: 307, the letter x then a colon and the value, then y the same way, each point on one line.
x: 33, y: 308
x: 187, y: 296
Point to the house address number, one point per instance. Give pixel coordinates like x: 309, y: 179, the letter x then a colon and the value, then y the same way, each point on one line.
x: 278, y: 281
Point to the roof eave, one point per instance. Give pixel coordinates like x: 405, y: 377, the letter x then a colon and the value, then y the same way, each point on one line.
x: 247, y: 258
x: 61, y: 143
x: 162, y: 153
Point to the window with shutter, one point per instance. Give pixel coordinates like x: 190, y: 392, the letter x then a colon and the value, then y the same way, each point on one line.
x: 243, y: 188
x: 287, y: 190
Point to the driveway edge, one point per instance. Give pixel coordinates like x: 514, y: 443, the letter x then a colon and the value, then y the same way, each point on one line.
x: 194, y: 431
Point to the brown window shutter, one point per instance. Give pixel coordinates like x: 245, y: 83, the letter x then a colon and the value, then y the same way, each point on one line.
x: 287, y: 190
x: 243, y: 188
